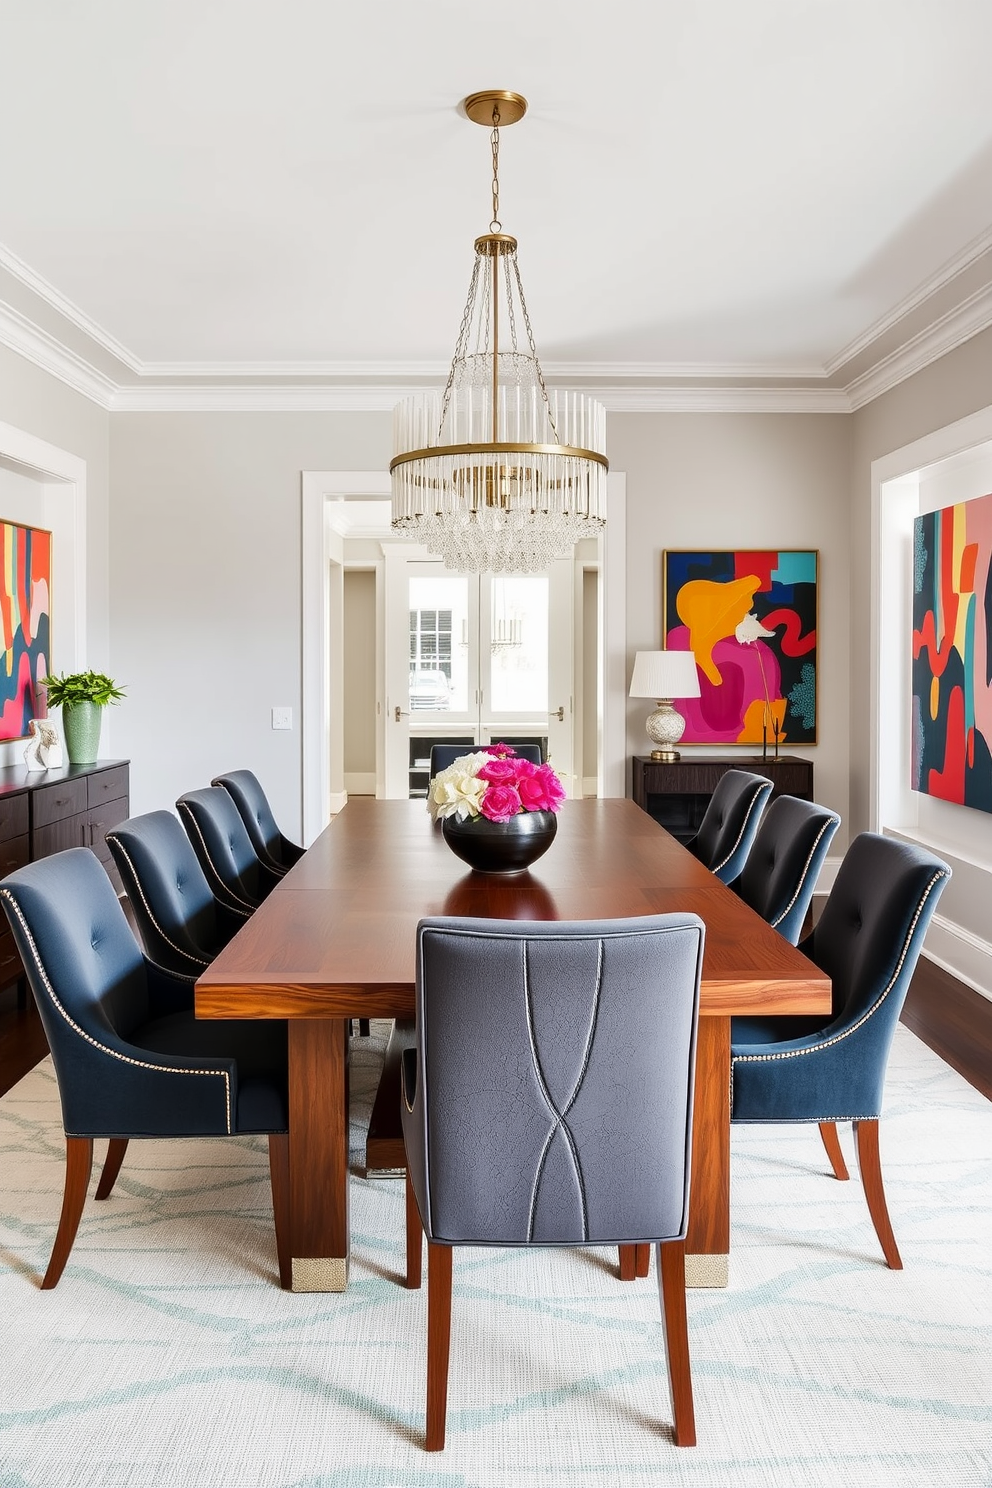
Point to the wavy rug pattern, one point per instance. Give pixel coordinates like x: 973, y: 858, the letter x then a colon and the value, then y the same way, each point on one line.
x: 168, y: 1357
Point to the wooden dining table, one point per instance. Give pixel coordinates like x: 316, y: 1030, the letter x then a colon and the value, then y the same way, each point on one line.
x: 335, y: 941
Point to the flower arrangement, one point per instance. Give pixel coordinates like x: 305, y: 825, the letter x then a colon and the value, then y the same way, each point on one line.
x: 494, y: 783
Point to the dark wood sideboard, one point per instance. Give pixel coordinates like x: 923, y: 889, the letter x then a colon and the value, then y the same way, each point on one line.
x: 44, y: 811
x: 676, y: 793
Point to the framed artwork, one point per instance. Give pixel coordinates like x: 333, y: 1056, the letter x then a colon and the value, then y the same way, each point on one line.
x: 749, y: 617
x: 26, y: 616
x: 952, y: 654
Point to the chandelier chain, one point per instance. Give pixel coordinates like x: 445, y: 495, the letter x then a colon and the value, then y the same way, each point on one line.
x: 495, y: 225
x: 462, y: 344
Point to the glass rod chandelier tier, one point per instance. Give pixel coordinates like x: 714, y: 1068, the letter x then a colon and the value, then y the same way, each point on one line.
x: 496, y: 473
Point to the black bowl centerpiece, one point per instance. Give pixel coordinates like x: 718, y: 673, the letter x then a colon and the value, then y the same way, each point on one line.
x: 497, y: 812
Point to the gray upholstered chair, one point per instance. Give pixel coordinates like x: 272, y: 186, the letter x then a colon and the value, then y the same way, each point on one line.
x: 181, y: 922
x: 730, y: 822
x: 130, y: 1058
x: 548, y: 1101
x: 271, y: 846
x: 220, y: 840
x: 829, y: 1069
x: 785, y: 861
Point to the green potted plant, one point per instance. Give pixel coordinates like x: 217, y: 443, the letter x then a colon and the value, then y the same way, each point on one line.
x: 82, y: 696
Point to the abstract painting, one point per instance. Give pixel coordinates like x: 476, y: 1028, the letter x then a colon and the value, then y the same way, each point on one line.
x: 26, y: 610
x: 952, y: 653
x: 750, y: 619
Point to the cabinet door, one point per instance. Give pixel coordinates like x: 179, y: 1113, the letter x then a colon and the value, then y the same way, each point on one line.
x: 70, y: 831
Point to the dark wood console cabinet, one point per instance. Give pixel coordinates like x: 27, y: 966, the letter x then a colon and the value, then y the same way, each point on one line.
x: 676, y: 794
x: 44, y: 811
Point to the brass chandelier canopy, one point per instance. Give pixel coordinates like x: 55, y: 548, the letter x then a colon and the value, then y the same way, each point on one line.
x: 497, y: 474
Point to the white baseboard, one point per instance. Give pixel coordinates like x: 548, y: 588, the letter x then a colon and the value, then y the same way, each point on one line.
x: 337, y: 801
x: 359, y: 782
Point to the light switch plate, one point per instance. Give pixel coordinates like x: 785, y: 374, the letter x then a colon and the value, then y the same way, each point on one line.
x: 282, y: 718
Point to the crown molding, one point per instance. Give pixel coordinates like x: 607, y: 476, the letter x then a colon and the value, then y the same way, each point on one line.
x: 944, y: 335
x: 948, y: 272
x: 274, y: 399
x: 47, y: 352
x: 50, y: 296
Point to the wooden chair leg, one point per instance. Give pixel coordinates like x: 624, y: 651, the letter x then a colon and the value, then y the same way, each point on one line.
x: 439, y: 1259
x: 671, y: 1284
x: 642, y: 1259
x: 414, y: 1239
x: 628, y: 1262
x: 78, y: 1166
x: 279, y: 1179
x: 831, y: 1141
x: 870, y: 1164
x: 116, y: 1148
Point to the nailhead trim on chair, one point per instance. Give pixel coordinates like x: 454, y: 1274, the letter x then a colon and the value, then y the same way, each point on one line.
x: 197, y: 960
x: 225, y: 889
x: 802, y: 878
x: 102, y: 1048
x: 840, y: 1037
x: 758, y: 793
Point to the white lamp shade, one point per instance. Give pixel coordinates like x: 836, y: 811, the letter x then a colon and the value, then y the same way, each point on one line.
x: 664, y: 674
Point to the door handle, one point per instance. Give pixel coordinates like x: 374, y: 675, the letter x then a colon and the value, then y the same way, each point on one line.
x: 400, y: 713
x: 560, y: 715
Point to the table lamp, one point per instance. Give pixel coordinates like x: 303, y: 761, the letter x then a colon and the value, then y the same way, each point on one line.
x: 664, y: 675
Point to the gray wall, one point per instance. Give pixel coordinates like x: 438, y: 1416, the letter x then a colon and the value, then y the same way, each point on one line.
x: 749, y: 481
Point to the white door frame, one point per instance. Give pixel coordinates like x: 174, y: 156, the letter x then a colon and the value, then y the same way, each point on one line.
x: 322, y: 486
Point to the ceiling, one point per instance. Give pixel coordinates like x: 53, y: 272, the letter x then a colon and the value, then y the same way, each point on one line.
x: 273, y: 202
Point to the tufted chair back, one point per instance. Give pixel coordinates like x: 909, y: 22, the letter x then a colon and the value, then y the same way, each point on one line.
x: 221, y: 842
x: 81, y: 959
x: 829, y: 1070
x: 730, y: 822
x: 784, y: 862
x: 271, y: 847
x: 182, y: 924
x: 443, y: 755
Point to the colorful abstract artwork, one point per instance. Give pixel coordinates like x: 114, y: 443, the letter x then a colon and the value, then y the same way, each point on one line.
x: 26, y: 606
x: 749, y: 617
x: 952, y: 654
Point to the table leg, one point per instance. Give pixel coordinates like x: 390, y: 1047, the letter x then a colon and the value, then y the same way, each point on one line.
x: 707, y: 1260
x: 318, y: 1154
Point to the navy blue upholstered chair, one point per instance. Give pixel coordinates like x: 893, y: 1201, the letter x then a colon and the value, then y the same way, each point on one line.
x: 730, y: 822
x: 130, y: 1058
x: 868, y: 940
x: 220, y: 840
x: 544, y: 1104
x: 272, y: 848
x: 443, y: 755
x: 181, y: 923
x: 785, y: 861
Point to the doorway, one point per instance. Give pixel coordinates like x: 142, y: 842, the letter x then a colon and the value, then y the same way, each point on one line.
x: 322, y: 645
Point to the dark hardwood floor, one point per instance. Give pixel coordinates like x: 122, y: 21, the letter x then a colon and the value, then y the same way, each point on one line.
x: 953, y: 1020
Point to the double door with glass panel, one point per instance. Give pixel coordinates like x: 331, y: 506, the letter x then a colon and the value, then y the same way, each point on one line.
x: 487, y: 657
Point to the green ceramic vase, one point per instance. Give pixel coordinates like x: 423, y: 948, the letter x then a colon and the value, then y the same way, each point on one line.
x: 81, y: 726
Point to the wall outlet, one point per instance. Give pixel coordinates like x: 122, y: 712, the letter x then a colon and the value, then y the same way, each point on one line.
x: 282, y: 718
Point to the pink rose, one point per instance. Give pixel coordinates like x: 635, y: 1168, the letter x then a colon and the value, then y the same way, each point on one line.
x: 499, y: 771
x: 504, y: 750
x: 542, y: 791
x: 499, y: 803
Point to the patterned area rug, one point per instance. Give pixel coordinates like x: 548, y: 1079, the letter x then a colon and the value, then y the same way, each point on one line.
x: 168, y: 1357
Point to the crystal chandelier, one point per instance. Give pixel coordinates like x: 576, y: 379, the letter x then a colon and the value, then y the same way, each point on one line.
x: 497, y: 474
